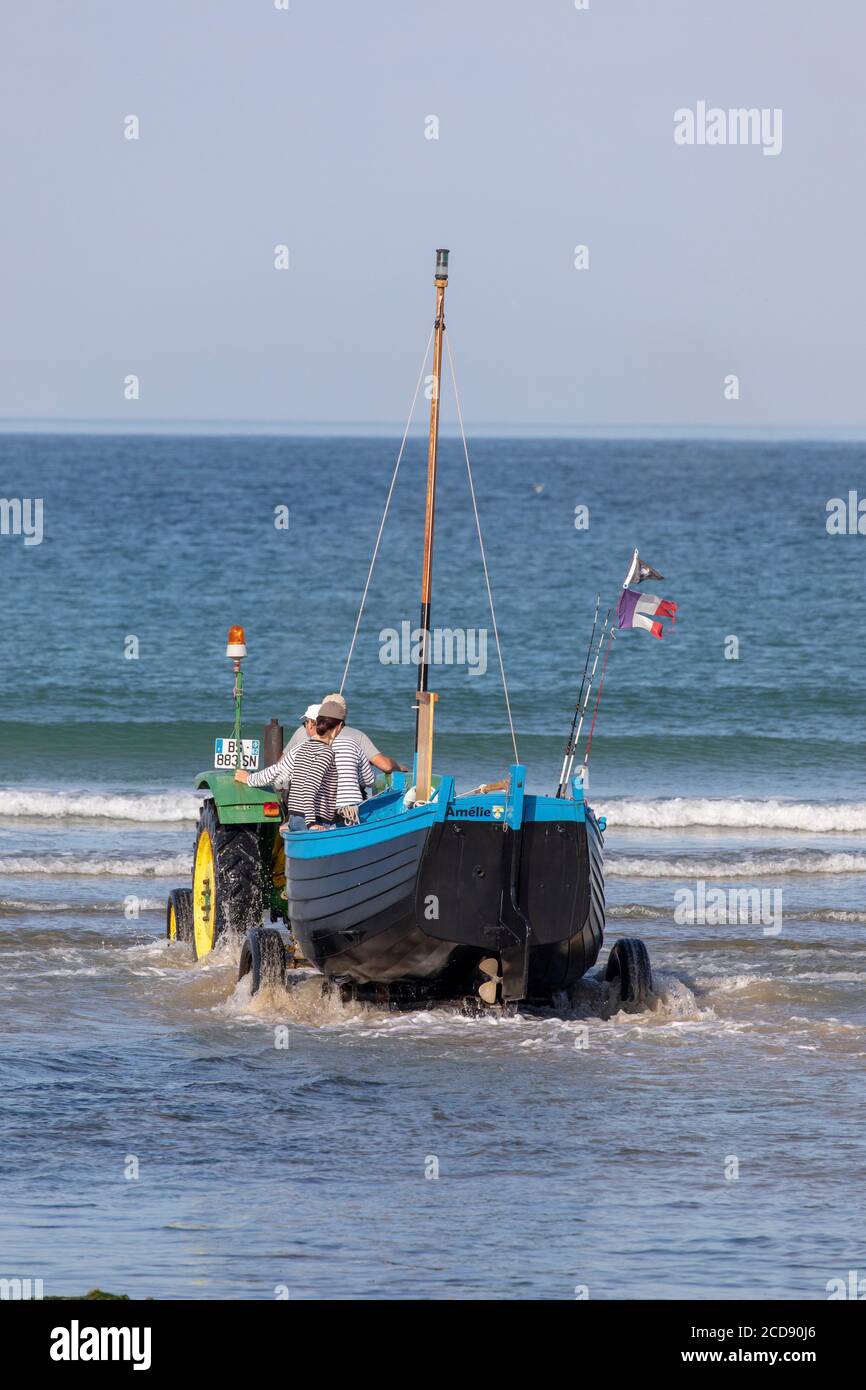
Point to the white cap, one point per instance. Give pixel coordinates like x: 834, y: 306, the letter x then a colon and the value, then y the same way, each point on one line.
x: 311, y: 712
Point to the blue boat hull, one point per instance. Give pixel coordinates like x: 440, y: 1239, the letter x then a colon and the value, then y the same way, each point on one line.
x: 420, y: 897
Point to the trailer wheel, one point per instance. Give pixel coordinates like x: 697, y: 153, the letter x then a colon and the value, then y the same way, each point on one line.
x: 226, y: 880
x: 263, y: 955
x: 629, y: 963
x: 178, y: 915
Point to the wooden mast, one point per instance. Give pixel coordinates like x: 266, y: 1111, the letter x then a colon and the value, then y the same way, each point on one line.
x: 426, y: 698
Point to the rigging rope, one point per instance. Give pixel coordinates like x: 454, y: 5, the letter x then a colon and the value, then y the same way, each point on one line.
x: 385, y: 512
x: 481, y: 544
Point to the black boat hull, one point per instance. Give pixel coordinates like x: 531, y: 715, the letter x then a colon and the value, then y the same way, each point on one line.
x: 423, y: 909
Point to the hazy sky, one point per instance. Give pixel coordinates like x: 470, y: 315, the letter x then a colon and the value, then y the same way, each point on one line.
x: 260, y: 126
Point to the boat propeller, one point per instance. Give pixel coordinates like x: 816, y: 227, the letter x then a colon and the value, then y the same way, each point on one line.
x: 488, y: 991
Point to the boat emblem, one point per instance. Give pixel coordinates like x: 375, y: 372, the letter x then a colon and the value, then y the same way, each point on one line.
x: 498, y: 811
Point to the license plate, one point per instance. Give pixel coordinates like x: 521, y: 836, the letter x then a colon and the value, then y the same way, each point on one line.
x: 226, y: 749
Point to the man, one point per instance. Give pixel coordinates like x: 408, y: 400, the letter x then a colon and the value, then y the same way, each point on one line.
x: 279, y: 774
x: 354, y: 772
x: 380, y: 760
x: 312, y: 799
x: 308, y: 723
x: 309, y: 770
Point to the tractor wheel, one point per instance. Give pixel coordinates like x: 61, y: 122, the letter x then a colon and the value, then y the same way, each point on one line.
x: 263, y: 956
x: 629, y: 963
x: 226, y: 880
x: 178, y: 915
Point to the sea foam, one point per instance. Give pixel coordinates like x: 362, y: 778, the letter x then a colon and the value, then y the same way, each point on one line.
x: 663, y: 813
x: 754, y: 866
x: 146, y: 807
x: 137, y: 866
x: 735, y: 813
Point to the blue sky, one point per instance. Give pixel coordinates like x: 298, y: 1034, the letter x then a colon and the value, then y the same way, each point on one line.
x: 306, y: 127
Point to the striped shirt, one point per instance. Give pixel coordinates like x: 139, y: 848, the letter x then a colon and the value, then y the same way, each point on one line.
x: 313, y: 793
x: 354, y: 772
x: 279, y: 774
x: 369, y: 747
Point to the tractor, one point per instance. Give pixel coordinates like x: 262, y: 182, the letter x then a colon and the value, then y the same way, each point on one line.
x: 239, y: 861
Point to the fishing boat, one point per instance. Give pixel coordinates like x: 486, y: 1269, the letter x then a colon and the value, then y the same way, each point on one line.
x: 438, y: 893
x: 494, y: 895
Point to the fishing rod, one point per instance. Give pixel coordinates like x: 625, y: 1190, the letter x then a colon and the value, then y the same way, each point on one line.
x: 571, y: 742
x: 568, y: 761
x: 610, y: 642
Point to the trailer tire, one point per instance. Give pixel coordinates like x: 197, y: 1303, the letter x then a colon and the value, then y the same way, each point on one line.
x: 178, y: 915
x: 227, y: 880
x: 629, y: 963
x: 263, y: 955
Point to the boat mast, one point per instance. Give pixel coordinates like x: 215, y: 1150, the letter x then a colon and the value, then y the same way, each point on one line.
x: 426, y: 698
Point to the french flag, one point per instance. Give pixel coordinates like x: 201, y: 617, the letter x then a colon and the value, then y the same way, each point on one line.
x: 639, y: 610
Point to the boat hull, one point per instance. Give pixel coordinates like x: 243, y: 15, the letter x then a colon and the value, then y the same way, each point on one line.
x: 420, y: 899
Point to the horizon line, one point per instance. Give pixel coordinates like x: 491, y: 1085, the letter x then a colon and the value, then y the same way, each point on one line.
x: 112, y: 425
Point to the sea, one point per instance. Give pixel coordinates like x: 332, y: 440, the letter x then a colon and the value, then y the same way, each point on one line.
x: 165, y: 1135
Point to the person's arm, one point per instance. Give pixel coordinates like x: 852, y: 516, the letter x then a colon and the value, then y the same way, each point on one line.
x: 366, y: 775
x: 379, y: 760
x: 386, y: 764
x: 278, y: 774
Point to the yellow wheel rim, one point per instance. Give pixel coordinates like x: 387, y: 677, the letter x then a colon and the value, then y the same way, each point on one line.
x: 204, y: 896
x: 172, y: 924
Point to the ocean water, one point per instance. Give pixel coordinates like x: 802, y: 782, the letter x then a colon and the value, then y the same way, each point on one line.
x: 157, y: 1140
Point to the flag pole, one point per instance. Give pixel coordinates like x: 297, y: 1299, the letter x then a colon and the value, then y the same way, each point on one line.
x: 633, y: 571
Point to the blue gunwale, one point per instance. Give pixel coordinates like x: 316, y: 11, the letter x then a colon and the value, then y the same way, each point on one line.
x: 384, y: 817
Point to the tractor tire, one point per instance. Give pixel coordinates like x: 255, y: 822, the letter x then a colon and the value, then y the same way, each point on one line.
x: 263, y: 956
x: 629, y: 963
x: 178, y: 915
x: 226, y: 880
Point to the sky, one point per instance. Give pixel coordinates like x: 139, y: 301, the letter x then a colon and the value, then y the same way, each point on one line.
x: 308, y: 128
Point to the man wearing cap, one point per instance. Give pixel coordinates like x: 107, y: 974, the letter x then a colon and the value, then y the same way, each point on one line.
x: 279, y: 774
x: 380, y: 760
x: 309, y: 770
x: 354, y: 772
x: 353, y: 751
x: 308, y: 725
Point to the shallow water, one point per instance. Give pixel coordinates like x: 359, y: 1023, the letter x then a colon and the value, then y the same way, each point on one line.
x: 573, y: 1147
x: 157, y: 1136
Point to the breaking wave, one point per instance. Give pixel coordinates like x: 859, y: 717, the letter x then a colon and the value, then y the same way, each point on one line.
x: 748, y: 865
x: 137, y: 866
x: 664, y: 813
x: 665, y: 911
x: 743, y: 866
x: 672, y: 813
x: 17, y: 906
x: 147, y: 807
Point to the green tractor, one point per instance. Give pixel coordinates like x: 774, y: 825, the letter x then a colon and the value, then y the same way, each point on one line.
x: 239, y: 865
